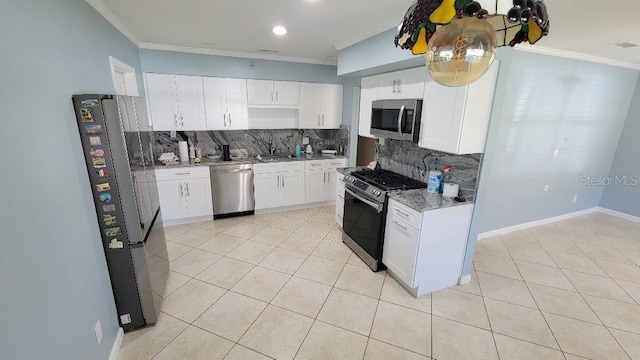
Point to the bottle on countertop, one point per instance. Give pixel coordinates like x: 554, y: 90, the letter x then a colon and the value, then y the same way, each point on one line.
x: 298, y: 150
x: 446, y: 177
x: 435, y: 180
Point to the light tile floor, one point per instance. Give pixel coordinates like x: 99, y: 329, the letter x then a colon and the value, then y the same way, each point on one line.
x: 283, y: 286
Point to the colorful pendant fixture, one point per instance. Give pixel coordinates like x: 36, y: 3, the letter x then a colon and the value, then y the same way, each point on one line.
x: 460, y: 37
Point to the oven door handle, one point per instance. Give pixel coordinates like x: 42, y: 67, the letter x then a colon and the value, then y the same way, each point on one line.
x: 378, y: 207
x: 400, y: 114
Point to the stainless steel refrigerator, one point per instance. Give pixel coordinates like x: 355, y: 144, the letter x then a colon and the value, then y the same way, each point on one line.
x: 116, y: 141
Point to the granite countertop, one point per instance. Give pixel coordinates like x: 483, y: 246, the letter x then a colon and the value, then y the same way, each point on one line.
x: 248, y: 160
x: 421, y: 200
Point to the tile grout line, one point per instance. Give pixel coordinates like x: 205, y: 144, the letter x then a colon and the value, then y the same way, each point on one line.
x: 536, y: 302
x: 486, y: 311
x: 589, y: 305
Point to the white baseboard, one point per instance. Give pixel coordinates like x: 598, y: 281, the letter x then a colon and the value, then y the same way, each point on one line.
x: 115, y: 349
x: 464, y: 280
x: 619, y: 214
x: 186, y: 221
x: 295, y: 207
x: 529, y: 225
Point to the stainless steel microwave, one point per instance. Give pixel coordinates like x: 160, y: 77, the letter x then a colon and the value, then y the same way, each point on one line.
x: 396, y: 119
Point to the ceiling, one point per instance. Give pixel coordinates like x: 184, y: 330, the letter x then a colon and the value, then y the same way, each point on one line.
x: 319, y: 28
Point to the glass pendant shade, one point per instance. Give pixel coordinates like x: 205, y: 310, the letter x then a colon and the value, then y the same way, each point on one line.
x: 461, y: 52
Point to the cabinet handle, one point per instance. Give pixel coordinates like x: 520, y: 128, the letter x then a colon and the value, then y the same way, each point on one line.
x: 400, y: 226
x: 230, y: 121
x: 277, y: 97
x: 181, y: 190
x: 272, y: 96
x: 188, y: 190
x: 175, y: 117
x: 395, y: 83
x: 224, y: 122
x: 401, y: 213
x: 184, y: 173
x: 283, y: 182
x: 324, y: 177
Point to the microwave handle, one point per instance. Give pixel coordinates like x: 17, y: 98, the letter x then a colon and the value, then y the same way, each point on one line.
x: 400, y: 119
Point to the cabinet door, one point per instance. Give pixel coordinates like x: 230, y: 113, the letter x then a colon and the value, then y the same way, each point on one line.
x: 404, y: 84
x: 199, y: 201
x: 191, y: 102
x: 330, y: 185
x: 441, y: 117
x: 411, y: 83
x: 260, y: 92
x: 315, y: 185
x: 236, y: 90
x: 267, y: 190
x: 400, y: 249
x: 287, y: 93
x: 172, y: 199
x: 162, y: 99
x: 331, y: 106
x: 311, y: 106
x: 215, y: 103
x: 292, y: 188
x: 368, y: 94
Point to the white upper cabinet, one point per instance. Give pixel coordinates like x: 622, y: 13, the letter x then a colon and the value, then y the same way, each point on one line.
x: 320, y: 106
x: 404, y: 84
x: 176, y: 102
x: 455, y: 119
x: 368, y: 94
x: 273, y: 93
x: 226, y: 103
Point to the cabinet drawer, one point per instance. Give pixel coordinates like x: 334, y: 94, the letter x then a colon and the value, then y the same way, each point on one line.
x: 315, y: 164
x: 406, y: 214
x: 400, y: 250
x: 184, y: 173
x: 337, y: 163
x: 266, y: 168
x: 292, y: 166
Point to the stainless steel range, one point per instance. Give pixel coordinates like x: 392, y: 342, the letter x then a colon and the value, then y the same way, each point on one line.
x: 365, y: 211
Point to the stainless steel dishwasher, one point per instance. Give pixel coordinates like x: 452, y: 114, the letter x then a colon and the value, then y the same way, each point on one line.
x: 232, y: 190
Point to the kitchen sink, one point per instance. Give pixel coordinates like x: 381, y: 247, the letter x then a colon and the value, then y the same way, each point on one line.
x: 274, y: 158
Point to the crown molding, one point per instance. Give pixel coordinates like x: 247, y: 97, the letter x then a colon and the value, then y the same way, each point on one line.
x: 113, y: 19
x: 238, y: 54
x: 576, y: 56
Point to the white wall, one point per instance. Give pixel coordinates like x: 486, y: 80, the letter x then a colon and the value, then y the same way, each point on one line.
x: 54, y: 284
x: 543, y: 104
x: 623, y: 192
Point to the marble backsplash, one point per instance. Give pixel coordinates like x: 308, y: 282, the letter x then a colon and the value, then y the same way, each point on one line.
x: 408, y: 159
x: 252, y: 142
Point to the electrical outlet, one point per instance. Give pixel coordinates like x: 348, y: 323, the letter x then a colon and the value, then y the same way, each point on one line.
x: 556, y: 153
x: 305, y: 140
x: 98, y: 331
x: 173, y: 134
x: 381, y: 141
x: 546, y: 188
x: 575, y: 199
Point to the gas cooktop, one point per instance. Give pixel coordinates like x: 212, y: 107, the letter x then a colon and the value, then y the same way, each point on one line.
x: 388, y: 180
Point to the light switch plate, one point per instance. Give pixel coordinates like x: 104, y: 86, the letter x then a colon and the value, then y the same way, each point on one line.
x: 173, y: 134
x: 305, y: 140
x: 98, y: 330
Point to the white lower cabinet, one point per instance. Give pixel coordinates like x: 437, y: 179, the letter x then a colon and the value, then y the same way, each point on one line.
x: 425, y: 251
x: 322, y: 179
x: 279, y: 184
x: 339, y: 199
x: 185, y: 193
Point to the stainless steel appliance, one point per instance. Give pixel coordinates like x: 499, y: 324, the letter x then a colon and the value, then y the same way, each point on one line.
x: 232, y: 190
x: 397, y: 119
x: 365, y: 211
x: 116, y: 141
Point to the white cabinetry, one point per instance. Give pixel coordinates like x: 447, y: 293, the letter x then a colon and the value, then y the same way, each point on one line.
x: 425, y: 251
x: 339, y: 199
x: 225, y: 103
x: 279, y: 184
x: 320, y: 106
x: 321, y: 178
x: 176, y: 102
x: 368, y: 94
x: 185, y: 194
x: 455, y: 119
x: 404, y: 84
x: 273, y: 93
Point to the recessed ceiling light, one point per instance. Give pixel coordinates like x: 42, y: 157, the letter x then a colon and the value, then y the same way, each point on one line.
x: 625, y: 45
x: 279, y: 30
